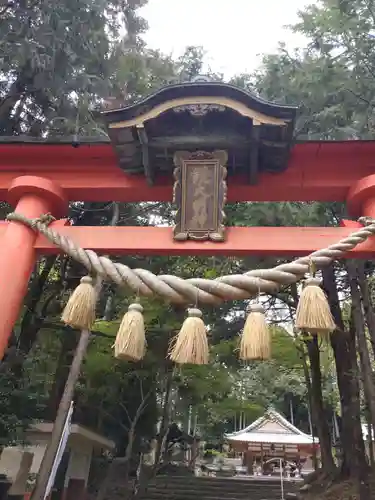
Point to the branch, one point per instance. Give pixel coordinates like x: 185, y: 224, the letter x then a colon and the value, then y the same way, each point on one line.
x: 280, y: 296
x: 141, y: 387
x: 6, y: 7
x: 116, y: 214
x: 371, y: 10
x: 358, y: 96
x: 126, y: 411
x: 141, y: 407
x: 133, y: 421
x: 101, y: 410
x: 43, y: 312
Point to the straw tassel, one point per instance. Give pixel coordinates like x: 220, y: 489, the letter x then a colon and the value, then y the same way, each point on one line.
x: 313, y: 311
x: 130, y: 344
x: 191, y: 344
x: 79, y: 312
x: 256, y: 338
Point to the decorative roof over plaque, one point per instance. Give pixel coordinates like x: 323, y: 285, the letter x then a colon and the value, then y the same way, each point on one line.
x: 202, y: 116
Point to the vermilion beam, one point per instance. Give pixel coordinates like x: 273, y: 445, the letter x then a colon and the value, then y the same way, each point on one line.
x: 320, y: 171
x: 114, y: 185
x: 277, y: 241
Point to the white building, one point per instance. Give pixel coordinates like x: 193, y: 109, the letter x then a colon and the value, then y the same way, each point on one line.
x: 18, y: 462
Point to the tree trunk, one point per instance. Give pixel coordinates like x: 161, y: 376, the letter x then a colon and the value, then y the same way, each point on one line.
x: 309, y: 408
x: 71, y: 337
x: 53, y: 445
x: 316, y: 406
x: 103, y: 490
x: 69, y: 343
x: 165, y: 419
x: 343, y: 345
x: 318, y: 412
x: 370, y: 442
x: 366, y: 301
x: 364, y: 356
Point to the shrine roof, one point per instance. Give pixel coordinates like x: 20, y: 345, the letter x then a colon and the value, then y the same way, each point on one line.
x: 201, y: 89
x: 202, y: 116
x: 258, y: 437
x: 271, y: 428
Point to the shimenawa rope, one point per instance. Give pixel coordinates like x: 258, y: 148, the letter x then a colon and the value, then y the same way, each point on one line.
x: 180, y: 291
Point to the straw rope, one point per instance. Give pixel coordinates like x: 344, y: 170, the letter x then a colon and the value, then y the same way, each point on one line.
x: 180, y: 291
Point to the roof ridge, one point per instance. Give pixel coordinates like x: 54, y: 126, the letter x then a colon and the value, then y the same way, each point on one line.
x: 270, y: 414
x: 285, y: 422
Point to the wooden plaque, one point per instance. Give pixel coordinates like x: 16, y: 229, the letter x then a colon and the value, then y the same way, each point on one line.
x: 200, y: 195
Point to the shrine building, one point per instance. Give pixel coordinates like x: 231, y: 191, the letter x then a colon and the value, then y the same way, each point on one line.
x: 273, y: 437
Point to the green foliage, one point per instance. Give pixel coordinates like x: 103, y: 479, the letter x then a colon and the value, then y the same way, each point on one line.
x: 60, y: 60
x: 110, y: 393
x: 332, y: 79
x: 21, y: 403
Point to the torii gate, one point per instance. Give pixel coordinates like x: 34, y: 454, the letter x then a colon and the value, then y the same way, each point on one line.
x: 38, y: 177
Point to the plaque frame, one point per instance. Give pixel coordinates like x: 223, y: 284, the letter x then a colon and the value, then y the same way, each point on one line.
x: 183, y: 193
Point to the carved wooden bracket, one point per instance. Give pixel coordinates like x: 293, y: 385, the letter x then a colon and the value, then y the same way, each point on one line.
x: 200, y: 194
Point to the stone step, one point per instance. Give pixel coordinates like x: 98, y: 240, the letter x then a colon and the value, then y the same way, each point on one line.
x: 208, y: 488
x: 211, y: 491
x: 184, y: 496
x: 169, y: 487
x: 216, y: 497
x: 217, y: 484
x: 181, y: 496
x: 217, y: 481
x: 197, y: 488
x: 200, y: 489
x: 192, y: 495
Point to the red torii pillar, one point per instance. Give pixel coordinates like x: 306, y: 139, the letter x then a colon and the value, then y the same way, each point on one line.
x: 361, y: 197
x: 33, y: 197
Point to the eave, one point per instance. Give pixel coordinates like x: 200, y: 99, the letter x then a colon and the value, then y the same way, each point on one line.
x: 192, y: 91
x: 255, y: 133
